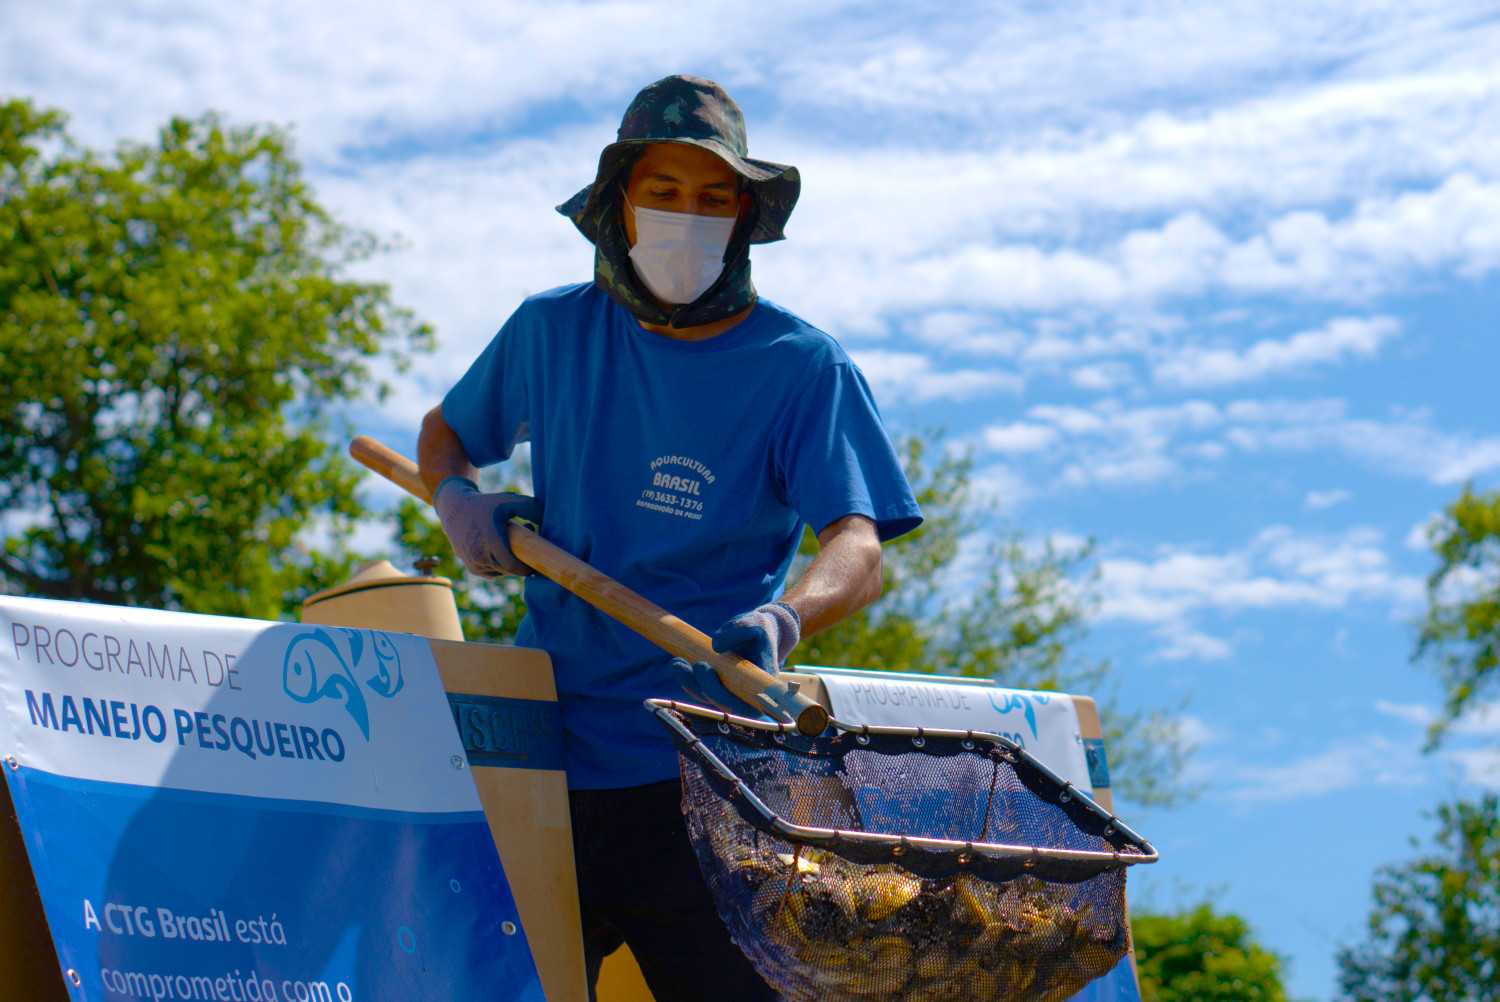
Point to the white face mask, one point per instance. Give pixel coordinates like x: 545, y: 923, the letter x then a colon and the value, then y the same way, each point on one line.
x: 678, y: 255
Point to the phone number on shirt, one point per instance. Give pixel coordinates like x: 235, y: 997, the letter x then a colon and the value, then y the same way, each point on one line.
x: 665, y: 502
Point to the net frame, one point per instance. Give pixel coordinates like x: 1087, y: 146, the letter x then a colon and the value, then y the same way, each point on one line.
x: 921, y: 855
x: 856, y: 915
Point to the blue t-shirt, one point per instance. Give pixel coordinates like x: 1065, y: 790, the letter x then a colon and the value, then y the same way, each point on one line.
x: 685, y: 470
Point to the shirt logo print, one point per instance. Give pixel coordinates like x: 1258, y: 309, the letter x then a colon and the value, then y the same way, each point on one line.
x: 676, y: 485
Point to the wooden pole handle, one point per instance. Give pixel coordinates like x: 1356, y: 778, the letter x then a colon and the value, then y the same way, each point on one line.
x: 392, y: 465
x: 760, y: 689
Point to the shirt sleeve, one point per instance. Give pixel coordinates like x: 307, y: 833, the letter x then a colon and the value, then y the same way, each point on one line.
x: 834, y: 457
x: 489, y: 407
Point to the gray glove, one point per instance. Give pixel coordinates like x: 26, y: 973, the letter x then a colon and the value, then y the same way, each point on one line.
x: 475, y: 525
x: 764, y: 636
x: 702, y: 683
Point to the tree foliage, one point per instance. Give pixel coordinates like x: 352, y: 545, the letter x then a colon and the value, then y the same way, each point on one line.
x: 1460, y: 633
x: 1022, y: 618
x: 1434, y: 929
x: 176, y: 330
x: 1203, y: 956
x: 1434, y: 932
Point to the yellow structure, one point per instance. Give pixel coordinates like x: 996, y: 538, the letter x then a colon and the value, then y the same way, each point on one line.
x: 379, y: 597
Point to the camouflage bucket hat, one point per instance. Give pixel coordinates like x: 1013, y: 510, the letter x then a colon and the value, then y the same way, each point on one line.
x: 684, y: 109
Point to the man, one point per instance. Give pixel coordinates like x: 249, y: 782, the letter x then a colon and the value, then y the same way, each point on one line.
x: 683, y: 431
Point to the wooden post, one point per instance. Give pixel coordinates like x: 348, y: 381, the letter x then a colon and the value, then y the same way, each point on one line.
x: 28, y: 961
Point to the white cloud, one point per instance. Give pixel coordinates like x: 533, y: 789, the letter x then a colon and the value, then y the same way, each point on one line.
x: 1061, y: 64
x: 1053, y: 346
x: 1110, y: 443
x: 1467, y: 583
x: 1102, y: 377
x: 481, y: 234
x: 1195, y: 732
x: 1481, y: 720
x: 461, y: 127
x: 1406, y: 444
x: 1169, y: 205
x: 1419, y: 537
x: 910, y: 376
x: 14, y: 521
x: 1321, y: 500
x: 1469, y: 743
x: 1479, y: 766
x: 1020, y: 437
x: 377, y: 76
x: 1346, y: 763
x: 370, y: 538
x: 1370, y: 251
x: 1000, y: 484
x: 1181, y: 642
x: 969, y: 334
x: 1381, y: 246
x: 1196, y: 367
x: 1352, y: 566
x: 1419, y: 714
x: 1472, y: 743
x: 1278, y: 569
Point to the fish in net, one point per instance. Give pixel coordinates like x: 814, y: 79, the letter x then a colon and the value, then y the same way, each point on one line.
x: 902, y: 864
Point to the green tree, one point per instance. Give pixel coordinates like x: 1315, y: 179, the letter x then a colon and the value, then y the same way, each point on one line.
x: 1434, y: 929
x: 1020, y: 620
x: 177, y: 332
x: 1434, y: 933
x: 1460, y: 635
x: 1203, y: 956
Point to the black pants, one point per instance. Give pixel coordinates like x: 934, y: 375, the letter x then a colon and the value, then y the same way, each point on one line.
x: 639, y: 884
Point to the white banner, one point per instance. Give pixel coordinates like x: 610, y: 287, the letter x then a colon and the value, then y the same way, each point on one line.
x: 211, y: 704
x: 1044, y: 723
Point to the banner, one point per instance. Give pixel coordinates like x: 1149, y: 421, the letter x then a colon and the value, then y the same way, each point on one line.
x: 1044, y: 723
x: 223, y: 809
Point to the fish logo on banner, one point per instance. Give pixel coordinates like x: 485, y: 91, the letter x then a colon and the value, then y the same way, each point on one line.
x: 320, y: 664
x: 1020, y: 701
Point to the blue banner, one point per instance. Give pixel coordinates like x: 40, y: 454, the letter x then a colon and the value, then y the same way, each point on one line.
x: 295, y: 823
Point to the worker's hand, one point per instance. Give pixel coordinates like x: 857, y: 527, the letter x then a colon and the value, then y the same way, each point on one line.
x: 475, y: 525
x: 702, y: 683
x: 764, y: 636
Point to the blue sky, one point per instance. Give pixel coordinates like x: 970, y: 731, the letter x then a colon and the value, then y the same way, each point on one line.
x: 1212, y: 285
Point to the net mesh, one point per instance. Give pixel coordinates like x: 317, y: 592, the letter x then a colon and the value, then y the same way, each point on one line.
x: 834, y: 917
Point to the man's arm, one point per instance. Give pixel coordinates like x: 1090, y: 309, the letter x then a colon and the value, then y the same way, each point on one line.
x: 440, y: 452
x: 473, y: 521
x: 842, y: 579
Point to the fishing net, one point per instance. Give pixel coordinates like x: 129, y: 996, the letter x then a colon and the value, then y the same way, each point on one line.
x: 900, y: 864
